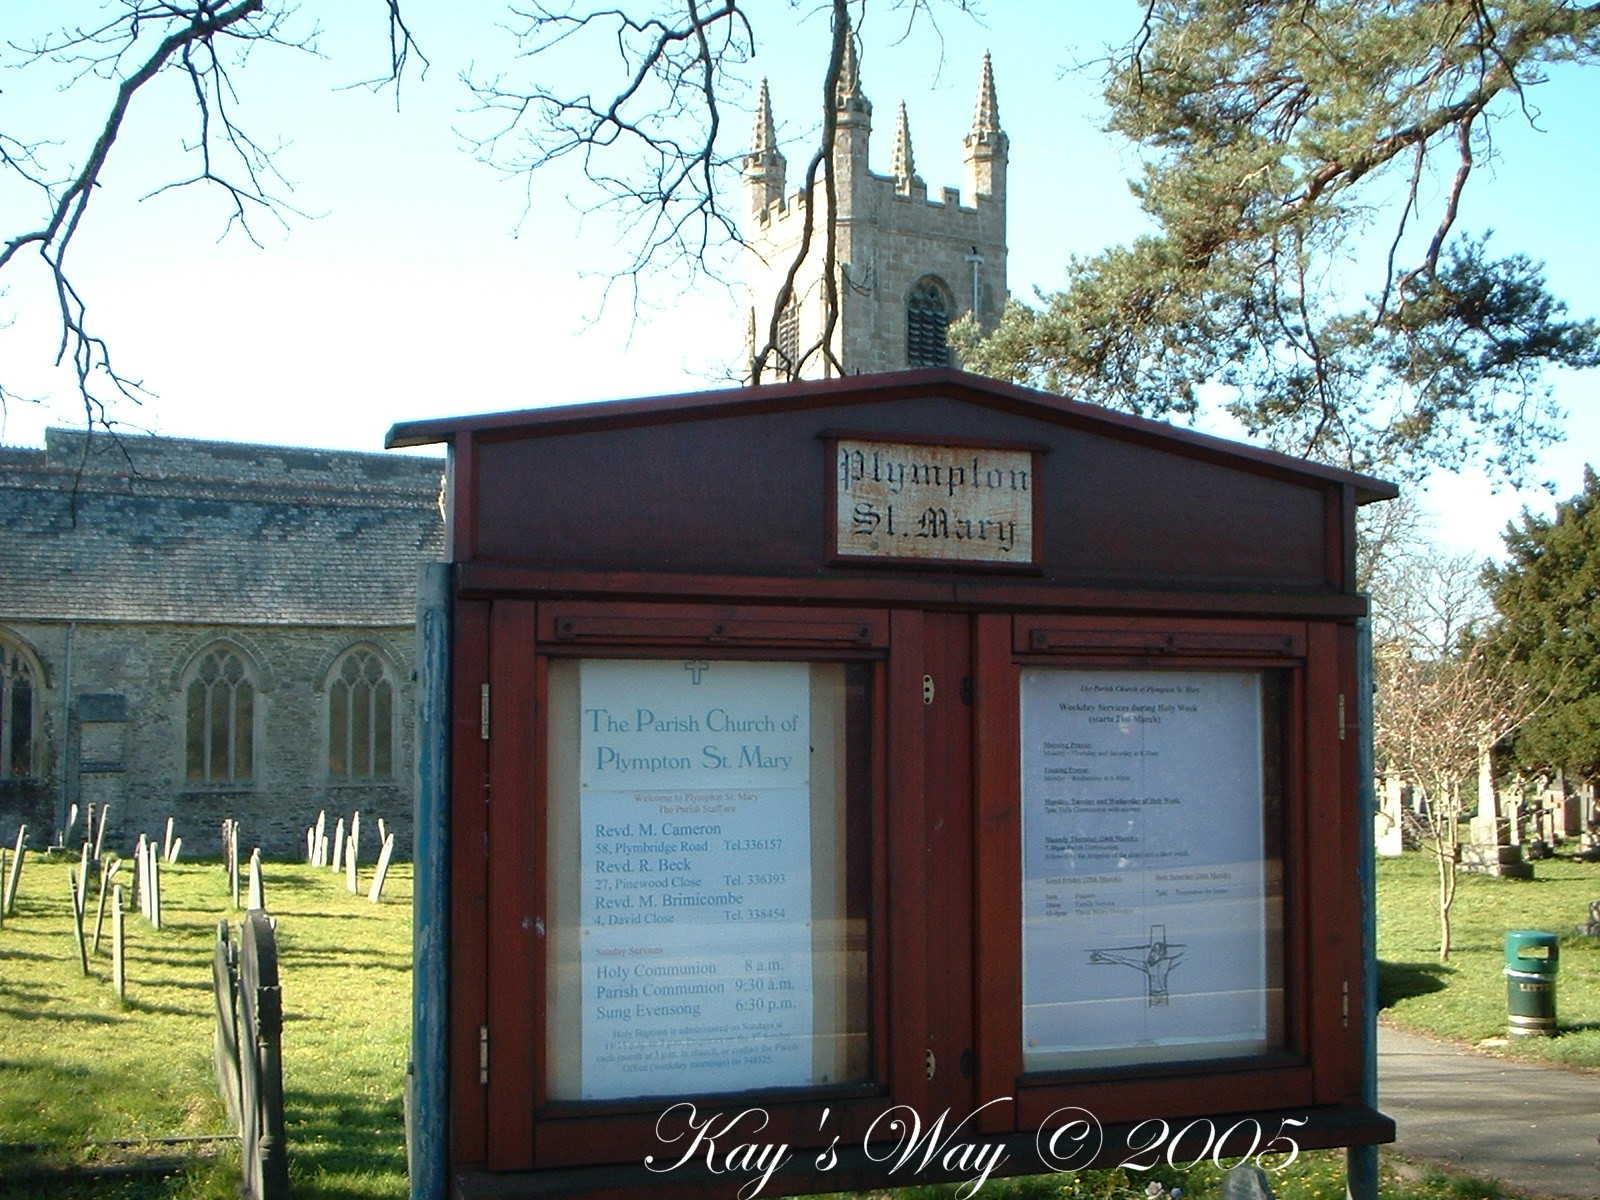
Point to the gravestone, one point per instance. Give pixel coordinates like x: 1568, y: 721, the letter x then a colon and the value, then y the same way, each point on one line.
x: 1389, y: 821
x: 257, y: 890
x: 108, y: 872
x: 141, y: 882
x: 100, y: 831
x: 311, y: 845
x: 321, y: 858
x: 1489, y: 849
x: 83, y: 871
x: 72, y: 823
x: 77, y: 921
x: 382, y: 871
x: 119, y: 970
x: 338, y: 846
x: 177, y: 848
x: 1592, y: 927
x: 1246, y: 1182
x: 166, y: 842
x: 351, y: 850
x: 9, y: 901
x: 155, y: 884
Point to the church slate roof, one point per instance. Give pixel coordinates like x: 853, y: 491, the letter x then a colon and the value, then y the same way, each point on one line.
x: 174, y: 530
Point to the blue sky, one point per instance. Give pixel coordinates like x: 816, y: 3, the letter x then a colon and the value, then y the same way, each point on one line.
x: 422, y: 283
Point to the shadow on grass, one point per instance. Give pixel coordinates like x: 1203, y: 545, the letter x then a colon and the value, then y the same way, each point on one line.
x: 336, y: 1132
x: 1400, y: 981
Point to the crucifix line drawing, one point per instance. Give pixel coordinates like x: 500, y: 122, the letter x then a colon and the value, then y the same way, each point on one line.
x: 696, y: 668
x: 1154, y: 958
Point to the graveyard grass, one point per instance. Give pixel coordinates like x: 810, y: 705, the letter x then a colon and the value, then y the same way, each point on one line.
x: 1465, y: 999
x: 78, y: 1068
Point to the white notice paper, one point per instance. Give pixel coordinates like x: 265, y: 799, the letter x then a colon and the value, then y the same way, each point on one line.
x: 695, y: 900
x: 1143, y: 905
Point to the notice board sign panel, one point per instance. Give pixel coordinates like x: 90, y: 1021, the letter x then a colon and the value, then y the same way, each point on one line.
x: 695, y: 894
x: 1148, y: 932
x: 929, y: 503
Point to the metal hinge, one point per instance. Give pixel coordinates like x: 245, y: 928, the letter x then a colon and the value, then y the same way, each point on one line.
x: 1341, y: 716
x: 483, y: 712
x: 927, y: 689
x: 1344, y: 1006
x: 483, y: 1054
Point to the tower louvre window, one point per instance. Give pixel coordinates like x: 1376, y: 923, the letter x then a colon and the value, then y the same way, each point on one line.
x: 789, y: 337
x: 927, y: 325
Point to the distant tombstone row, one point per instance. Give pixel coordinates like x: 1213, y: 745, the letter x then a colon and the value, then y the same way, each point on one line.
x: 342, y: 854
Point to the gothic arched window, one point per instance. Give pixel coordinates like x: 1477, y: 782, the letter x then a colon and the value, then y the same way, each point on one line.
x: 19, y: 713
x: 360, y: 716
x: 927, y: 323
x: 219, y: 696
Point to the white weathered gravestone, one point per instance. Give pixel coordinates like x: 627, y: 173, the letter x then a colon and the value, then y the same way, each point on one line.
x: 119, y: 972
x: 166, y: 842
x: 83, y: 874
x: 258, y: 898
x: 321, y: 859
x: 382, y: 832
x: 338, y: 846
x: 382, y: 871
x: 311, y: 844
x: 72, y: 822
x: 177, y: 849
x: 100, y: 831
x: 141, y: 880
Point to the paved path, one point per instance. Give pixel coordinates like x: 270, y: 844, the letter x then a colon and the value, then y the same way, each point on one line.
x: 1533, y: 1128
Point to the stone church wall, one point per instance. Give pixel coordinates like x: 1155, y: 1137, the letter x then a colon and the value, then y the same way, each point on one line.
x: 137, y: 764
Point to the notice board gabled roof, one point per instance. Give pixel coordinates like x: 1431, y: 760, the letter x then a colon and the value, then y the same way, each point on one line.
x: 887, y: 388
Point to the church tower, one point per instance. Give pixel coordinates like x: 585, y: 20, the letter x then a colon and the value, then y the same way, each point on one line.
x: 909, y: 265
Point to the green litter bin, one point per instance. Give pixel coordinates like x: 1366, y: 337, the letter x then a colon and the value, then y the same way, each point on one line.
x: 1531, y: 961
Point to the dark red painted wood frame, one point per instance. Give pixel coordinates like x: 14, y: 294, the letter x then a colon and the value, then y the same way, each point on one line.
x: 946, y: 862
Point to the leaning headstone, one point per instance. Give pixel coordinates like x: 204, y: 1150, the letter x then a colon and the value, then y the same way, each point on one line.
x: 382, y: 871
x: 177, y: 848
x: 1246, y: 1182
x: 166, y: 842
x: 100, y: 831
x: 77, y: 921
x: 83, y: 873
x: 321, y: 859
x: 72, y: 823
x: 257, y: 892
x: 382, y: 832
x: 9, y: 900
x: 119, y: 970
x: 108, y: 872
x: 338, y: 846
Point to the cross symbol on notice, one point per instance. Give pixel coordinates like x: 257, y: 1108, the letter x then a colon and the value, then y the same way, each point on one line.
x: 696, y: 668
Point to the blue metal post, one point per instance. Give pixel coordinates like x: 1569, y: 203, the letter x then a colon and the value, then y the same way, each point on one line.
x: 1361, y: 1162
x: 428, y: 1122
